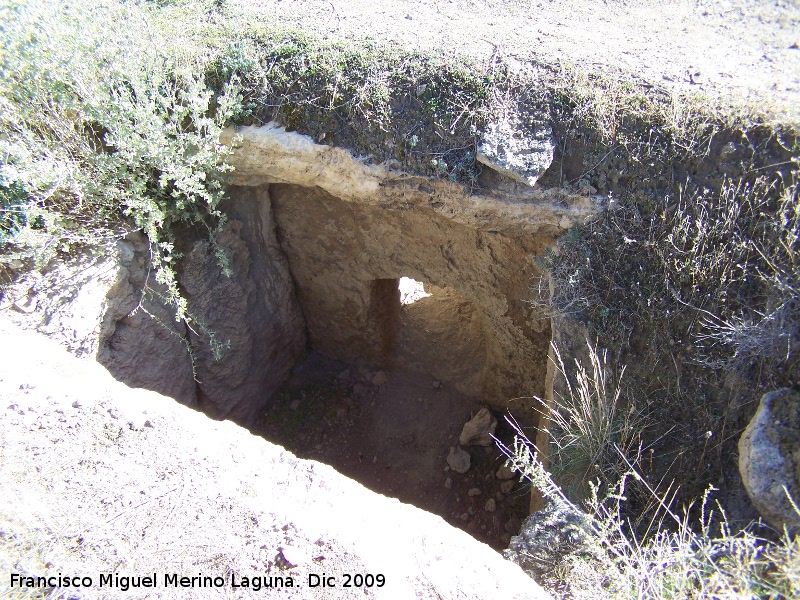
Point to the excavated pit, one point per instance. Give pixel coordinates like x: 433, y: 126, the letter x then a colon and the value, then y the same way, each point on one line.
x: 389, y: 375
x: 361, y: 318
x: 388, y: 383
x: 394, y: 439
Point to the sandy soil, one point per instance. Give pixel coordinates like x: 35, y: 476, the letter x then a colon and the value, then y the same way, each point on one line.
x: 741, y: 48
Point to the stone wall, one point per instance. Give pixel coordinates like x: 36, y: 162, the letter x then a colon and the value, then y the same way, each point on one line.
x: 96, y: 305
x: 340, y: 254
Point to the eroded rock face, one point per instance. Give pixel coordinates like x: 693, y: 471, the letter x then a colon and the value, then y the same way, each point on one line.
x: 443, y: 334
x: 140, y: 343
x: 346, y: 259
x: 254, y: 330
x: 96, y: 306
x: 769, y: 458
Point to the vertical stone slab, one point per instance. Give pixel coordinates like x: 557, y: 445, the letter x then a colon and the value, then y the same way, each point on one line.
x: 338, y: 250
x: 248, y: 331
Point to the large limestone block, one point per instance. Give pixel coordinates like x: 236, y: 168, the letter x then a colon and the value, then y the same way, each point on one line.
x: 517, y: 150
x: 769, y: 458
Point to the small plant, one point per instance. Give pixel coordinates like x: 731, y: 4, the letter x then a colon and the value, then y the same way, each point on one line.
x: 590, y: 428
x: 673, y: 559
x: 108, y: 127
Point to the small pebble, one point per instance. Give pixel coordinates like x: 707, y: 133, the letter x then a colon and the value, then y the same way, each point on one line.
x: 504, y: 473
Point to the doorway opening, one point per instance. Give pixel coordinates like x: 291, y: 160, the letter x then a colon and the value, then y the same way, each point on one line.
x: 442, y: 334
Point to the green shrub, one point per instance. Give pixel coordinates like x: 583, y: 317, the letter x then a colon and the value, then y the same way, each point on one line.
x: 108, y: 127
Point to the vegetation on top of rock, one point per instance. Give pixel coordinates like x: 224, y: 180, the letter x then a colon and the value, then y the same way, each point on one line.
x: 108, y: 126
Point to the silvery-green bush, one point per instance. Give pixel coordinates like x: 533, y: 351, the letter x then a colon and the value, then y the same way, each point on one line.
x: 107, y: 126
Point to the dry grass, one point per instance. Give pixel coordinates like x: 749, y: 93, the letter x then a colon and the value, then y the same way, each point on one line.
x: 672, y: 556
x: 697, y: 290
x: 589, y: 423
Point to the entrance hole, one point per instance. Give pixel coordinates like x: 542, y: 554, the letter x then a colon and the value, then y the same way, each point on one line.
x: 411, y: 290
x: 441, y: 334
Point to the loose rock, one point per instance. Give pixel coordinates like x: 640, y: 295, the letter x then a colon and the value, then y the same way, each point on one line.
x: 521, y: 151
x: 769, y: 458
x: 548, y: 537
x: 459, y: 459
x: 380, y: 378
x: 474, y: 492
x: 507, y: 486
x: 490, y: 505
x: 504, y: 473
x: 479, y: 429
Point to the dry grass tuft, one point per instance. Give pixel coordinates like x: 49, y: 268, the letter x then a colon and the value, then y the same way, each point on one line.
x: 672, y: 556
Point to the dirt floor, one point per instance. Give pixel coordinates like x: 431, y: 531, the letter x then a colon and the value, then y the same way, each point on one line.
x: 394, y: 438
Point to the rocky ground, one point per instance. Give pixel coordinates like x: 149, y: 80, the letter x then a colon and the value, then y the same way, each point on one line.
x: 746, y: 49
